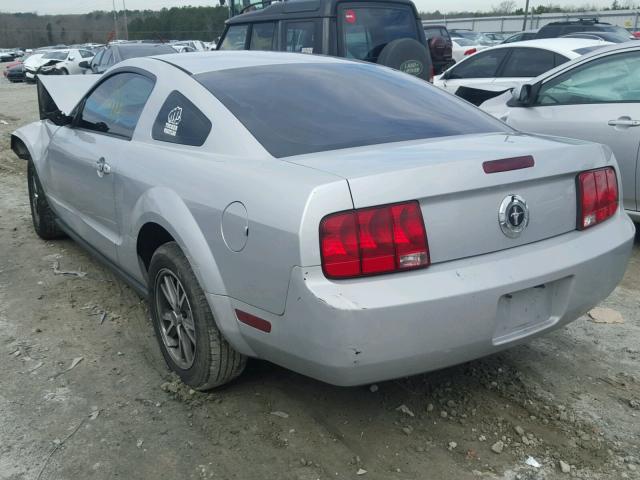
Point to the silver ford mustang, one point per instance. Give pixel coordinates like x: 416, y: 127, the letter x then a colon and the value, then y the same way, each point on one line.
x: 341, y: 219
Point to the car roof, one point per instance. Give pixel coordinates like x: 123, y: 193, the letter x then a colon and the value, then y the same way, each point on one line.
x: 204, y: 62
x: 563, y: 46
x: 302, y: 8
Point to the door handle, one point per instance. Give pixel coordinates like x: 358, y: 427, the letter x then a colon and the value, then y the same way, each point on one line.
x: 102, y: 167
x: 624, y: 122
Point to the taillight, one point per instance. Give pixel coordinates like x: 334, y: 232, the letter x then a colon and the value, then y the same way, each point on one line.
x: 374, y: 240
x: 432, y: 73
x: 471, y: 51
x: 597, y: 196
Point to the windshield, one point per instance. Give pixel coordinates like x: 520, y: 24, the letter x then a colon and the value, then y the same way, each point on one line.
x: 372, y: 106
x: 476, y: 37
x: 463, y: 42
x: 616, y: 29
x: 367, y: 30
x: 57, y: 55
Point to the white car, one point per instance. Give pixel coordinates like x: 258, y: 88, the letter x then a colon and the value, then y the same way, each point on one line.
x: 193, y: 45
x: 595, y: 97
x: 503, y: 67
x: 58, y: 62
x: 463, y: 47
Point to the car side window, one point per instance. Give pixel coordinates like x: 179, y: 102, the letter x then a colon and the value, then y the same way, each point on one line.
x: 106, y: 60
x: 301, y: 37
x: 181, y: 122
x: 115, y: 105
x: 480, y: 65
x: 528, y: 62
x: 85, y: 54
x: 236, y: 38
x: 262, y: 36
x: 612, y: 79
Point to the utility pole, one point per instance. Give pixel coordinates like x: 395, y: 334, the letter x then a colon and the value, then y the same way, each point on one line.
x: 115, y: 19
x: 126, y: 23
x: 526, y: 12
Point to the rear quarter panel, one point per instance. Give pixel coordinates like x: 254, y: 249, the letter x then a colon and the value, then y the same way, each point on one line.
x: 186, y: 189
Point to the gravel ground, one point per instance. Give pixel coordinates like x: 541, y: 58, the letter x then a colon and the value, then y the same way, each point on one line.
x: 85, y: 394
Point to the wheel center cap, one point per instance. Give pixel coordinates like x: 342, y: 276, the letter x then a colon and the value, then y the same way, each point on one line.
x: 177, y: 318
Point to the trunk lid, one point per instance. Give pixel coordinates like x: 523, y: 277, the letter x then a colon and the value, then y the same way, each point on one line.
x: 459, y: 201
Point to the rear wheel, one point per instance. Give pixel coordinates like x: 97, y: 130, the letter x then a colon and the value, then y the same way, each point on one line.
x: 44, y: 220
x: 190, y: 341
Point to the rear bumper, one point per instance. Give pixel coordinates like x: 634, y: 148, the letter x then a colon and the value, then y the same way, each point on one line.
x: 367, y: 330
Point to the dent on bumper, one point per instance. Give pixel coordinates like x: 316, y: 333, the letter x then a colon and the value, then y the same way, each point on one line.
x: 359, y: 331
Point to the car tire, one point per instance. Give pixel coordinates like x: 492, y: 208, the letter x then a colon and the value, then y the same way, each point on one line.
x: 206, y: 361
x: 64, y: 71
x: 44, y: 220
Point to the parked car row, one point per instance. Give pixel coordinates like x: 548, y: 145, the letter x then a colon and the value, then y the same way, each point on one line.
x: 89, y: 58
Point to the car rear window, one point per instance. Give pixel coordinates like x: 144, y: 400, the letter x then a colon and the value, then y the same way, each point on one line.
x: 145, y: 51
x: 365, y: 31
x: 320, y: 107
x: 180, y: 121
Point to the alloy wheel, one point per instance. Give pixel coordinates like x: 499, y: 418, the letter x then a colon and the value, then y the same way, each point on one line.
x: 177, y: 327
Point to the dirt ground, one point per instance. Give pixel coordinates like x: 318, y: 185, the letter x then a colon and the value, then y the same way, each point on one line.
x: 84, y: 392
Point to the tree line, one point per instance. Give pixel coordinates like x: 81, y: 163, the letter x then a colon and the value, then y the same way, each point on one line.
x: 29, y: 30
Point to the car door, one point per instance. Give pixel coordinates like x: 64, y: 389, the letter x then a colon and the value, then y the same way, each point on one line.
x: 475, y: 71
x: 526, y: 63
x: 83, y: 158
x: 598, y: 101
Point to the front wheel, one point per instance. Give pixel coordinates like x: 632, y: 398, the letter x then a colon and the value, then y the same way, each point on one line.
x: 190, y: 341
x: 44, y: 220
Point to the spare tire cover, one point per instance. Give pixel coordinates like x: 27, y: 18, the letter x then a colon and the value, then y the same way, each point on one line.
x: 407, y: 55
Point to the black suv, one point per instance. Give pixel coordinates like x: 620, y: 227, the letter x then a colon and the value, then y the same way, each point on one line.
x: 559, y: 29
x: 387, y: 32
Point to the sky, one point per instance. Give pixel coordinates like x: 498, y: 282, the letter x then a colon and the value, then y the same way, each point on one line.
x: 84, y: 6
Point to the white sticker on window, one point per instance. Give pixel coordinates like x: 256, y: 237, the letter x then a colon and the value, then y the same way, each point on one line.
x: 173, y: 120
x: 306, y: 50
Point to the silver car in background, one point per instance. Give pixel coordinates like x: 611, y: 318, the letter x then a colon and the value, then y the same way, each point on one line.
x: 344, y: 220
x: 596, y: 98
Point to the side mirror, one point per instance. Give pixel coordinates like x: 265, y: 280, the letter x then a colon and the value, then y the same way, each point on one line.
x: 84, y: 64
x: 71, y: 59
x: 522, y: 96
